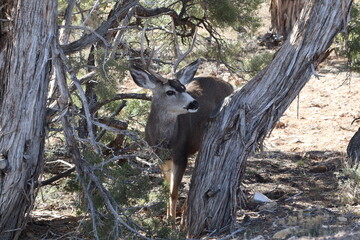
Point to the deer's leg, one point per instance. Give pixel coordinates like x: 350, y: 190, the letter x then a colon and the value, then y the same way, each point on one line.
x: 178, y: 170
x: 166, y: 170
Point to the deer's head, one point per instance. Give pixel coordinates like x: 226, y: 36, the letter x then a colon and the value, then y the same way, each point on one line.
x: 169, y: 94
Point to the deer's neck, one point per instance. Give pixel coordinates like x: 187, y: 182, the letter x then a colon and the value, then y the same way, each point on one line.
x: 161, y: 128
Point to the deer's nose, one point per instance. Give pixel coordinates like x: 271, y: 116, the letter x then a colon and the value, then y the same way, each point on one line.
x: 193, y: 106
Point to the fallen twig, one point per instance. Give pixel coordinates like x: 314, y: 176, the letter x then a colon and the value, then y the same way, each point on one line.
x: 294, y: 196
x: 57, y: 177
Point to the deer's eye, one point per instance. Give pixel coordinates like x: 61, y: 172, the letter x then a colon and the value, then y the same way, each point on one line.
x: 170, y: 93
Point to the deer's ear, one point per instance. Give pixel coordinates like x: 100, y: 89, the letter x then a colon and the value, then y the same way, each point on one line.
x: 142, y: 78
x: 186, y: 74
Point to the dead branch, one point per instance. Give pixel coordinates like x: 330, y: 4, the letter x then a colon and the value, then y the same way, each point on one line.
x: 83, y: 80
x: 181, y: 56
x: 143, y: 12
x: 95, y: 33
x: 96, y: 4
x: 83, y: 99
x: 113, y: 123
x: 116, y: 112
x: 119, y: 35
x: 64, y: 33
x: 118, y: 13
x: 179, y: 19
x: 68, y: 131
x: 57, y: 177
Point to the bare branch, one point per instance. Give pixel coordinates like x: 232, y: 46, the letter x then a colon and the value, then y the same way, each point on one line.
x: 116, y: 112
x: 119, y: 12
x: 84, y: 79
x: 120, y: 33
x: 96, y: 34
x: 179, y: 54
x: 96, y: 4
x: 143, y: 12
x: 64, y: 33
x: 57, y: 177
x: 86, y: 108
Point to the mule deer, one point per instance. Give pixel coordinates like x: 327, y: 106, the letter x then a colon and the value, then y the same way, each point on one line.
x: 179, y: 110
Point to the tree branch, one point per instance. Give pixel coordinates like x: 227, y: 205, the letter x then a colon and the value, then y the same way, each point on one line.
x: 57, y: 177
x: 141, y: 96
x: 118, y: 13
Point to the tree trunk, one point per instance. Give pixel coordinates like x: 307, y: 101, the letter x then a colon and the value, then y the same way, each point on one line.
x: 26, y: 31
x: 252, y: 111
x: 284, y: 14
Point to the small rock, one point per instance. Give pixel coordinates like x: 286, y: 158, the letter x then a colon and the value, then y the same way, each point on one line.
x: 342, y: 219
x: 261, y: 198
x: 280, y: 124
x: 283, y: 234
x: 258, y: 238
x: 292, y: 238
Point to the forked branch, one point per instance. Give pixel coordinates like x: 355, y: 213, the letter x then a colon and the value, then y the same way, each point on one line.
x: 180, y: 55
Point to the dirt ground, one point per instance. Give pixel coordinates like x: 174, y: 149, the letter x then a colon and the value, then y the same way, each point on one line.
x: 301, y: 165
x: 321, y: 118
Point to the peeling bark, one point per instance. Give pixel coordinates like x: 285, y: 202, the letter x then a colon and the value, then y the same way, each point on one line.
x: 24, y: 68
x: 249, y: 114
x: 284, y: 14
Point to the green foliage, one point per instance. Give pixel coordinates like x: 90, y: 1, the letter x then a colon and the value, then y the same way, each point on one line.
x: 137, y: 112
x: 300, y: 163
x: 354, y: 37
x: 222, y: 12
x: 129, y: 187
x: 228, y: 51
x: 349, y: 182
x: 238, y: 14
x: 72, y: 184
x: 112, y: 72
x: 350, y: 47
x: 257, y: 63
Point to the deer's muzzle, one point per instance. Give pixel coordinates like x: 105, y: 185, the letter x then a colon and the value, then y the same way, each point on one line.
x: 193, y: 106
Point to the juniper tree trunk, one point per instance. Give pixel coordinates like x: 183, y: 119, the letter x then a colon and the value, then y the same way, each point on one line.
x: 27, y: 28
x: 284, y: 14
x: 251, y: 112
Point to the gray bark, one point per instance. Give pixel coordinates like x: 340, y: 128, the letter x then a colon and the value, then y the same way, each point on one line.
x: 246, y: 118
x: 284, y: 14
x: 24, y: 68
